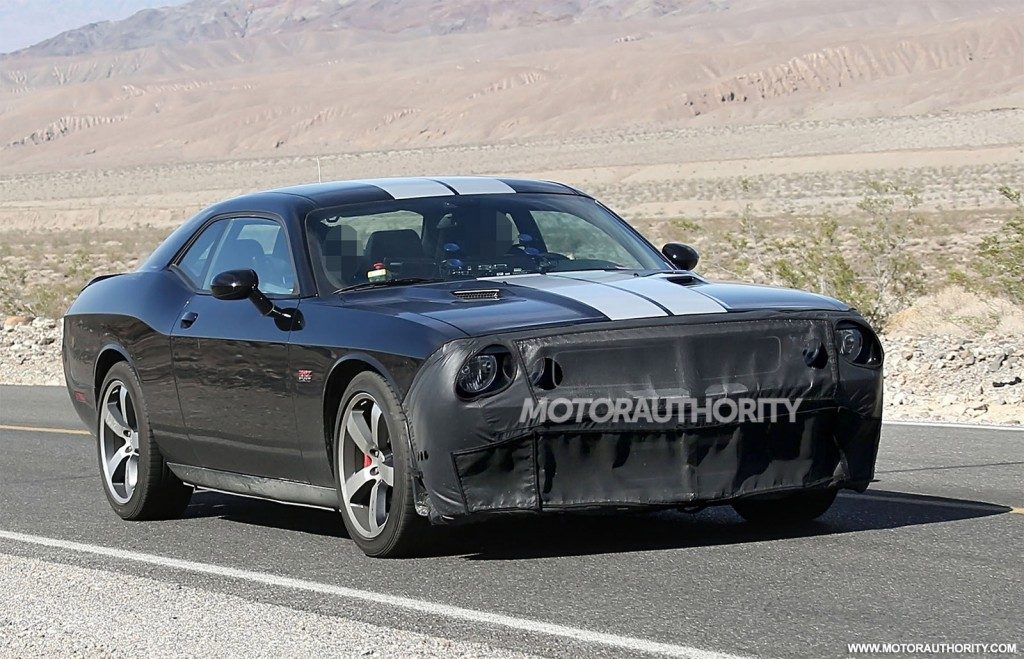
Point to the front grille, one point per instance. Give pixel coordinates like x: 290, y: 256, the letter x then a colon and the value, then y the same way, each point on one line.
x: 765, y: 358
x: 478, y: 294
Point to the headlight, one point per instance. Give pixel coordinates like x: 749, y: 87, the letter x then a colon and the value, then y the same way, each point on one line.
x: 478, y: 374
x: 858, y: 345
x: 486, y: 372
x: 851, y: 342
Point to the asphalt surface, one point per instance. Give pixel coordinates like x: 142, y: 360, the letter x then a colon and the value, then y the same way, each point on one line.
x: 932, y: 553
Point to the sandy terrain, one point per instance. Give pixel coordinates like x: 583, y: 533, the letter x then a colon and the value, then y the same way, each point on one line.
x: 232, y: 79
x: 955, y: 161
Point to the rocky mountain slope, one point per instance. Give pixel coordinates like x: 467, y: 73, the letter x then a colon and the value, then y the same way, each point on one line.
x: 26, y: 22
x: 217, y: 79
x: 213, y: 20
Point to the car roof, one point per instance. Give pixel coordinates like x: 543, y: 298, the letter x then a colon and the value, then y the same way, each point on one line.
x: 292, y: 203
x: 340, y: 192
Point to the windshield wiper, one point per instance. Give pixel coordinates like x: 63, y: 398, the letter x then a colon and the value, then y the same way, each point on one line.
x: 399, y: 281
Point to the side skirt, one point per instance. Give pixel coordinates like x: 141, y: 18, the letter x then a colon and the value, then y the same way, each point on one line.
x: 272, y: 489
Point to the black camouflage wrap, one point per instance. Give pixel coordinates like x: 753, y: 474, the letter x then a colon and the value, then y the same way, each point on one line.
x: 477, y: 457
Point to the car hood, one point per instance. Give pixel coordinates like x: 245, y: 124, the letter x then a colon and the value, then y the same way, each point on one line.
x: 484, y: 306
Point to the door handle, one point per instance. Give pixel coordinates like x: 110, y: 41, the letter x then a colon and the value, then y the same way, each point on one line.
x: 188, y: 319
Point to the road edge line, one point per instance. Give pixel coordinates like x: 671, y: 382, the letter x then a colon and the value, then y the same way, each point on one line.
x: 421, y: 606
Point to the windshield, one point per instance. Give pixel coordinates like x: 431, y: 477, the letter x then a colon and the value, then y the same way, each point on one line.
x: 465, y: 237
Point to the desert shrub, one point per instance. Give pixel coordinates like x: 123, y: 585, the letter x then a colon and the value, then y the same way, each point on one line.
x: 23, y: 292
x: 817, y: 261
x: 40, y: 274
x: 893, y: 275
x: 866, y: 265
x: 13, y: 282
x: 1000, y: 260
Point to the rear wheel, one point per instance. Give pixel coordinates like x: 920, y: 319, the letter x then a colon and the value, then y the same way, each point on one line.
x: 136, y: 480
x: 792, y: 508
x: 373, y: 470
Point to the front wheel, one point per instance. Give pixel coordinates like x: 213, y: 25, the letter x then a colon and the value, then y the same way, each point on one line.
x: 373, y: 470
x: 794, y: 508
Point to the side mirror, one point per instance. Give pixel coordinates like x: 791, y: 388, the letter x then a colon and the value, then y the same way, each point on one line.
x: 242, y: 284
x: 682, y: 256
x: 235, y: 284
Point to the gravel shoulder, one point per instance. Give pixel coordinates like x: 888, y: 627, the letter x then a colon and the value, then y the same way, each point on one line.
x: 947, y: 376
x: 58, y: 610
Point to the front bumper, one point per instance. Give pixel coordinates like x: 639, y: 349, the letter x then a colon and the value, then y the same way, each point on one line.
x: 578, y: 470
x: 481, y: 456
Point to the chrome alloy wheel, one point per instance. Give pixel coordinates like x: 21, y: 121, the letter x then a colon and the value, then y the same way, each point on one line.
x: 119, y: 441
x: 366, y: 468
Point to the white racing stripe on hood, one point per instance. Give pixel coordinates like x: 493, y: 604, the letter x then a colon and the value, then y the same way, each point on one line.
x: 613, y: 302
x: 476, y: 185
x: 410, y: 188
x: 677, y: 298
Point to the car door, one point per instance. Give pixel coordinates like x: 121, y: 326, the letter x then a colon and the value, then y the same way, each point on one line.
x: 231, y: 362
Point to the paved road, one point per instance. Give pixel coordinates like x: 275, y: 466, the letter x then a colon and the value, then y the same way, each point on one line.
x: 932, y: 553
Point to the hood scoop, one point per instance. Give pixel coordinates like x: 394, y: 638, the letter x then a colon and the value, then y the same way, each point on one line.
x: 476, y: 294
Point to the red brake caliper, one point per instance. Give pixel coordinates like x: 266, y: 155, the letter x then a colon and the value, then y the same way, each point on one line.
x: 366, y: 461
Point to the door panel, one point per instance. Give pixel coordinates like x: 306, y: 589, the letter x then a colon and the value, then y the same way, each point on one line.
x: 231, y: 363
x: 232, y: 371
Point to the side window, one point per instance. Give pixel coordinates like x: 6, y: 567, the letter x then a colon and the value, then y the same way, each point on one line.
x: 575, y: 237
x: 193, y: 263
x: 256, y: 244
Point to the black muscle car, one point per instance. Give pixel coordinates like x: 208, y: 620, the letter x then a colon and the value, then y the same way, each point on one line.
x: 424, y: 350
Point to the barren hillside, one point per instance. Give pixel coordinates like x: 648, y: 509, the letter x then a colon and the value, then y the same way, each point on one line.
x: 227, y: 79
x: 212, y: 20
x: 25, y: 22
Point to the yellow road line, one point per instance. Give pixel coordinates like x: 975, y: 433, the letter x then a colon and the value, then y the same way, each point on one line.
x: 60, y: 431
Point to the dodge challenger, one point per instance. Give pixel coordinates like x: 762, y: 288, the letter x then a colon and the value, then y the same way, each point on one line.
x: 418, y: 351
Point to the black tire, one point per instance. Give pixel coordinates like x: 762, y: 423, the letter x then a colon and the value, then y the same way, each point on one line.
x: 158, y: 493
x: 403, y: 532
x: 787, y: 509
